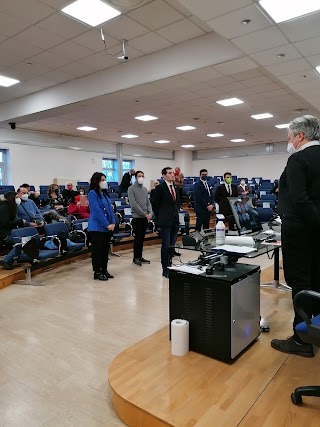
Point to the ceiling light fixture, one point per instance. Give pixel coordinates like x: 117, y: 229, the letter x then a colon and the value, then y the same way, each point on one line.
x: 214, y: 135
x: 285, y: 10
x: 8, y: 81
x: 281, y: 55
x: 87, y: 128
x: 262, y: 116
x: 318, y: 69
x: 146, y: 118
x: 187, y: 146
x: 246, y: 21
x: 237, y: 140
x: 162, y: 141
x: 283, y: 126
x: 91, y: 12
x: 129, y: 136
x: 229, y: 102
x: 185, y: 127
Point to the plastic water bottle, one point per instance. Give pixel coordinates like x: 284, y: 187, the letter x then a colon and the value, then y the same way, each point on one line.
x: 220, y: 231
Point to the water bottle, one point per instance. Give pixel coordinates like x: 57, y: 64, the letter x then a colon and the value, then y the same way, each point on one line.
x: 220, y: 230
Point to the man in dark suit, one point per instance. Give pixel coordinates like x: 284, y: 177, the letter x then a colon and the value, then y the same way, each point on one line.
x: 126, y: 181
x: 299, y: 209
x: 166, y: 205
x: 203, y: 201
x: 223, y: 191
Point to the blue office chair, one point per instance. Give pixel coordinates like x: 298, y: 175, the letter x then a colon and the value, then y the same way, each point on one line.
x: 117, y: 235
x: 265, y: 214
x: 54, y: 229
x: 309, y: 332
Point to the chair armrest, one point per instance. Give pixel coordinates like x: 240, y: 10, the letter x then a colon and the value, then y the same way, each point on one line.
x: 298, y: 300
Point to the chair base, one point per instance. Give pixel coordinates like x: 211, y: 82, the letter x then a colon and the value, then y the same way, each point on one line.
x: 28, y: 280
x: 276, y: 285
x: 310, y: 390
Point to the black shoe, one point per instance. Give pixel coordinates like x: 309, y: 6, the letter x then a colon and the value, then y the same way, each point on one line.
x: 109, y: 276
x: 175, y: 253
x: 137, y: 262
x: 6, y: 265
x: 165, y: 274
x: 144, y: 261
x: 102, y: 277
x: 96, y: 275
x: 291, y: 346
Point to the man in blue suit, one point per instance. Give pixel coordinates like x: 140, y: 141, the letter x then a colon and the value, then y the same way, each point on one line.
x: 203, y: 201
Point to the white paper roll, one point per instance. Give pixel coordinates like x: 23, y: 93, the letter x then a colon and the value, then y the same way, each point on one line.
x: 240, y: 241
x: 179, y: 337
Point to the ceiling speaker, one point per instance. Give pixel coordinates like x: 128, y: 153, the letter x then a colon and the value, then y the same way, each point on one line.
x: 127, y: 3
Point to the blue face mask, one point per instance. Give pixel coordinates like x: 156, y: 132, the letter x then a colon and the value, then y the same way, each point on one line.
x: 204, y: 177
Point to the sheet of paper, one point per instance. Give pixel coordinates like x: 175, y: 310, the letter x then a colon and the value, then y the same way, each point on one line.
x: 188, y: 269
x: 236, y: 249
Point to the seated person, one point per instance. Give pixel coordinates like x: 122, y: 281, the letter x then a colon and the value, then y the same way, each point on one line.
x: 55, y: 199
x: 77, y: 209
x: 9, y: 221
x: 69, y: 192
x: 33, y: 195
x: 243, y: 188
x: 82, y: 191
x: 28, y: 211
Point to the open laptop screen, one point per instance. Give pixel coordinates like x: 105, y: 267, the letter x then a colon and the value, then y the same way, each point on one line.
x: 246, y: 217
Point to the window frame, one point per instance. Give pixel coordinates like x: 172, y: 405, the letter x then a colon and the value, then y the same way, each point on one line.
x: 115, y: 169
x: 3, y: 166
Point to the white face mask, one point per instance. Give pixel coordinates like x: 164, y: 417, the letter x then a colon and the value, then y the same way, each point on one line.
x: 243, y: 183
x: 103, y: 185
x: 24, y: 197
x: 291, y: 148
x: 18, y: 201
x: 140, y: 180
x: 82, y: 193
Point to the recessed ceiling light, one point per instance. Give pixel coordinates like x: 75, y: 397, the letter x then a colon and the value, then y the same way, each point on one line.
x: 246, y: 21
x: 162, y: 141
x: 230, y: 101
x: 7, y: 81
x: 185, y: 127
x: 146, y: 118
x: 91, y: 12
x: 87, y: 128
x: 214, y: 135
x: 129, y: 136
x: 303, y: 76
x: 187, y: 146
x: 137, y: 155
x: 283, y: 126
x: 75, y: 148
x: 318, y: 69
x: 262, y: 116
x: 284, y: 10
x: 237, y: 140
x: 281, y: 55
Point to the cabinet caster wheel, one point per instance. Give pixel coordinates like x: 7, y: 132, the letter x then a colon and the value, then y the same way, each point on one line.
x: 296, y: 399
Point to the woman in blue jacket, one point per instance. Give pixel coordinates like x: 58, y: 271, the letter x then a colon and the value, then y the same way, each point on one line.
x: 101, y: 225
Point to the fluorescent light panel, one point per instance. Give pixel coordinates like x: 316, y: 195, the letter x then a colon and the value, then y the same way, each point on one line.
x: 7, y: 81
x: 262, y: 116
x: 229, y: 102
x: 185, y: 127
x: 283, y: 10
x: 237, y: 140
x: 318, y: 69
x: 91, y: 12
x: 146, y: 118
x: 129, y: 136
x: 162, y: 141
x: 283, y: 126
x: 214, y: 135
x: 187, y: 146
x: 87, y: 128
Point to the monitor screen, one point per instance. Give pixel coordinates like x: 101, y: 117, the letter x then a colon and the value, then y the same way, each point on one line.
x: 245, y: 216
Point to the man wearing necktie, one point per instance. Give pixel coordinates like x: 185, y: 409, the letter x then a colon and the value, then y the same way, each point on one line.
x: 166, y: 205
x: 223, y: 191
x: 203, y: 201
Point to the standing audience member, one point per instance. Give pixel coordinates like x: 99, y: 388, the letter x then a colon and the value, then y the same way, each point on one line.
x: 9, y: 221
x: 166, y: 205
x: 68, y: 192
x: 203, y: 201
x: 142, y: 214
x: 243, y: 189
x: 28, y: 211
x: 223, y: 191
x: 178, y: 180
x: 155, y: 184
x: 299, y: 209
x: 126, y: 181
x: 100, y: 226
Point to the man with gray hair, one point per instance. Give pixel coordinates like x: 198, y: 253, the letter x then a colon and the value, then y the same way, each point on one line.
x: 299, y: 209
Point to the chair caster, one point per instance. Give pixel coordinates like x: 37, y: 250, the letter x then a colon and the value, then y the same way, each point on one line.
x: 296, y: 399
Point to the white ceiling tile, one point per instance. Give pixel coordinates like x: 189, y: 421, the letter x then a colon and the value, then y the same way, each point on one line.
x: 260, y: 40
x: 231, y: 87
x: 302, y: 28
x: 9, y: 26
x: 7, y: 59
x: 288, y: 67
x: 155, y: 15
x: 30, y: 11
x: 314, y: 60
x: 123, y: 27
x: 131, y: 52
x: 171, y: 83
x: 180, y: 31
x: 92, y: 40
x: 71, y: 50
x: 80, y: 69
x: 2, y: 38
x: 248, y: 74
x: 31, y: 70
x: 312, y: 85
x: 58, y: 76
x: 57, y: 4
x: 208, y: 9
x: 230, y: 25
x: 224, y: 80
x: 63, y: 25
x: 100, y: 60
x: 149, y: 43
x: 50, y: 59
x: 309, y: 47
x: 236, y: 66
x: 296, y: 77
x: 201, y: 75
x: 18, y: 48
x: 258, y: 81
x: 39, y: 38
x: 269, y: 57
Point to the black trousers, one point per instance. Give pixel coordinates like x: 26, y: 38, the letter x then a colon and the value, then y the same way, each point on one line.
x: 203, y: 219
x: 301, y: 263
x: 100, y: 248
x: 139, y: 226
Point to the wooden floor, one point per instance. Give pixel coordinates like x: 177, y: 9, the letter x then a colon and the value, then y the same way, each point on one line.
x: 57, y: 342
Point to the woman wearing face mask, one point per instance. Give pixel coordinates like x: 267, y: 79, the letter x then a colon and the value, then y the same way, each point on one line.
x: 100, y: 226
x: 243, y: 188
x: 55, y: 199
x: 9, y: 221
x: 68, y: 192
x: 142, y: 213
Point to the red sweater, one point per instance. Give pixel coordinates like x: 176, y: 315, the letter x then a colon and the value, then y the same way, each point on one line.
x: 81, y: 212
